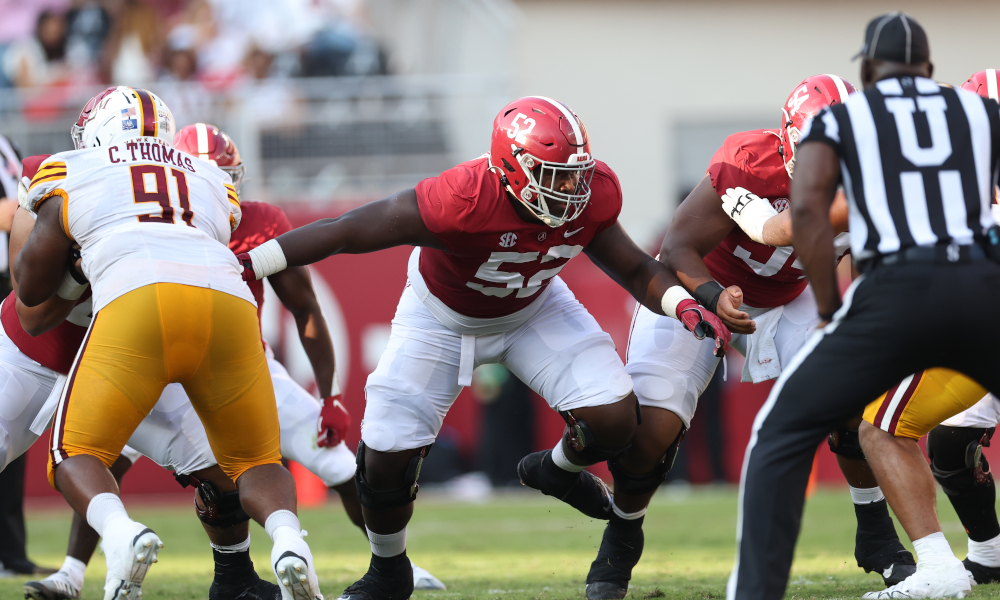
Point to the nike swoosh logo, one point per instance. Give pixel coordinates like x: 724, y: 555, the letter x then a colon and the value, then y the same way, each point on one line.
x: 574, y: 232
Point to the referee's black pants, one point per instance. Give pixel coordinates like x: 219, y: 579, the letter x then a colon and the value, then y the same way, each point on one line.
x: 896, y: 320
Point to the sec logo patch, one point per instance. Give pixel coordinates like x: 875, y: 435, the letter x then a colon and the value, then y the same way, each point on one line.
x: 508, y: 239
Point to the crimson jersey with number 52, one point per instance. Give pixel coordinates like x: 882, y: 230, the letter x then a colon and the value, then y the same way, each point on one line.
x: 144, y: 213
x: 497, y: 263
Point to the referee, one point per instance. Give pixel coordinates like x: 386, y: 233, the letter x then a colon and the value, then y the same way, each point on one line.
x: 919, y: 163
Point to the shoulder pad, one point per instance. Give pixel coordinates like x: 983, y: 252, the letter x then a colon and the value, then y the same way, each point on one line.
x: 49, y: 177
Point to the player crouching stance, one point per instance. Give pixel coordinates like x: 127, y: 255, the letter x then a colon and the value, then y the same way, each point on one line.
x: 483, y: 288
x: 170, y: 307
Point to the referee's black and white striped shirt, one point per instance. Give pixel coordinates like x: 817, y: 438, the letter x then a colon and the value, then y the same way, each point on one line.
x: 919, y: 163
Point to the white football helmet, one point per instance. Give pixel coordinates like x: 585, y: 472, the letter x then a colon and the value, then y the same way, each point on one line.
x: 122, y: 113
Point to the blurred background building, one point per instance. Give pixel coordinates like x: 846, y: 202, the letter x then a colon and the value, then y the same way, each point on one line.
x: 338, y: 102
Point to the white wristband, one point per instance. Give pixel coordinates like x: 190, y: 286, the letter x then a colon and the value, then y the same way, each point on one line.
x: 671, y: 298
x: 69, y: 289
x: 268, y: 259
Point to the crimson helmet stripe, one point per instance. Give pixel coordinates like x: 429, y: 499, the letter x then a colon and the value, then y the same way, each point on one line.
x: 147, y: 108
x: 991, y: 84
x: 577, y: 134
x: 841, y: 88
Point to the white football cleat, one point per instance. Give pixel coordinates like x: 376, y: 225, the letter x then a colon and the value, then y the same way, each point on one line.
x: 292, y: 562
x: 947, y: 579
x: 129, y: 550
x: 423, y: 580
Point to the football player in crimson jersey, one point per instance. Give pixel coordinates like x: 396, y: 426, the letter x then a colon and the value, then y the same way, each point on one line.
x: 720, y: 245
x: 492, y: 235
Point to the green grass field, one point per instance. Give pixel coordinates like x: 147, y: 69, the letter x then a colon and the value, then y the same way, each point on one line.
x: 516, y: 546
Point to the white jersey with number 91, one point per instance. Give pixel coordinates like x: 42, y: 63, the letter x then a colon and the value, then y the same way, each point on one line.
x: 144, y: 213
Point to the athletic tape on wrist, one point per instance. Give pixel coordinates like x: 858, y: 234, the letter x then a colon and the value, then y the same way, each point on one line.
x: 268, y: 259
x: 69, y: 289
x: 671, y: 298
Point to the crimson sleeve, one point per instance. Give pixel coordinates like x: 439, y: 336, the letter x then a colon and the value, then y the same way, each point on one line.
x: 445, y: 202
x: 731, y: 167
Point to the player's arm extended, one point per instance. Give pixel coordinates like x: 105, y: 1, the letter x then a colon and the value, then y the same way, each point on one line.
x: 293, y: 287
x: 697, y: 228
x: 41, y: 264
x: 649, y: 281
x: 817, y: 173
x: 36, y: 320
x: 386, y: 223
x: 778, y: 229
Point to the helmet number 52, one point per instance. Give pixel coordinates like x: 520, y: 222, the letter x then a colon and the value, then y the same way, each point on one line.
x: 516, y: 133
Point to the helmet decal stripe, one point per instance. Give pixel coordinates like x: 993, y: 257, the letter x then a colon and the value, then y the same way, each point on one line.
x: 148, y: 111
x: 569, y: 117
x: 991, y: 83
x: 202, y: 132
x: 841, y: 88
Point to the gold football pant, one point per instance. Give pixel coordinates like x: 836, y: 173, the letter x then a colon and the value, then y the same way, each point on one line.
x: 922, y: 401
x: 206, y: 340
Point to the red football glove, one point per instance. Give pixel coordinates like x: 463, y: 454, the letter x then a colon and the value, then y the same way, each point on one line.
x: 704, y: 324
x: 247, y: 263
x: 334, y: 421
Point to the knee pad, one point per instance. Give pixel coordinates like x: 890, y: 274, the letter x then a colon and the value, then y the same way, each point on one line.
x: 392, y: 498
x: 635, y: 485
x: 957, y: 459
x: 221, y: 509
x: 845, y: 442
x: 580, y: 438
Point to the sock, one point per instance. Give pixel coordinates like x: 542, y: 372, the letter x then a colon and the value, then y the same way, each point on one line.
x: 104, y: 509
x: 933, y: 549
x: 387, y: 545
x: 233, y: 564
x: 74, y: 570
x: 243, y: 546
x: 627, y: 516
x: 282, y: 523
x: 560, y: 460
x: 624, y: 521
x: 985, y: 553
x: 866, y: 495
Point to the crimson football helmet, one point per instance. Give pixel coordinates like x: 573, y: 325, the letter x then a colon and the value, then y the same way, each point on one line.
x: 210, y: 143
x: 984, y: 83
x: 541, y: 151
x: 808, y: 98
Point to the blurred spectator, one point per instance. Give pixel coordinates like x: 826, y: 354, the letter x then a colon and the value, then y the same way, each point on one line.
x: 136, y: 38
x: 89, y: 24
x: 265, y: 97
x: 39, y: 60
x: 180, y: 61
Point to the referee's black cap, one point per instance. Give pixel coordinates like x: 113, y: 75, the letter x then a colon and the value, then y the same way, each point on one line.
x: 896, y: 37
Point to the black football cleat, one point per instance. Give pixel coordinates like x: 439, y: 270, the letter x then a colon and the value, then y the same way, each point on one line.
x: 252, y: 588
x: 612, y: 569
x: 583, y: 491
x: 892, y: 561
x: 981, y: 573
x: 386, y: 579
x: 877, y: 547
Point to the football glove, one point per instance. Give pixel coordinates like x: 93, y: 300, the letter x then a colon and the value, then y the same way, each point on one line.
x: 334, y: 421
x: 246, y: 267
x: 703, y: 324
x: 749, y: 210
